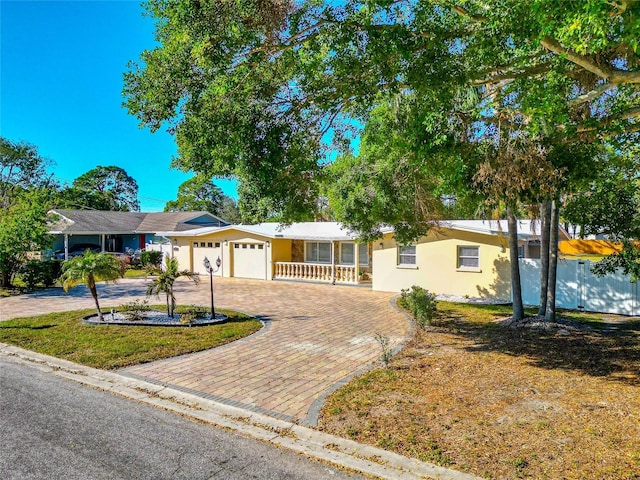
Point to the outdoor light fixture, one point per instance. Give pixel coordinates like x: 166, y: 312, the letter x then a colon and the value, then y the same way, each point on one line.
x: 267, y: 243
x: 381, y: 245
x: 211, y: 271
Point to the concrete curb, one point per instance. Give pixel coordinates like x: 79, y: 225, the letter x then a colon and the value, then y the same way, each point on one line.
x: 329, y: 448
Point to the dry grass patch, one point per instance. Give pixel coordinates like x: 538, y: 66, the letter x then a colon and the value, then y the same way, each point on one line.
x: 504, y: 403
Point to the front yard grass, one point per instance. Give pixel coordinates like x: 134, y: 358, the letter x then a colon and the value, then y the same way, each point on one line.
x: 504, y: 403
x: 63, y: 335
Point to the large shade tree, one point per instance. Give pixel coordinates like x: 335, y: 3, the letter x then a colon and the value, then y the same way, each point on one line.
x: 201, y: 194
x: 24, y: 195
x: 253, y: 88
x: 113, y: 187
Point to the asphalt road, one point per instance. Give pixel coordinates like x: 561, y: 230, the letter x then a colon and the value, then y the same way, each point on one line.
x: 51, y: 428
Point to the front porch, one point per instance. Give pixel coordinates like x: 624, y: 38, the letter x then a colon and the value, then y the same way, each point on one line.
x: 335, y: 262
x: 318, y: 272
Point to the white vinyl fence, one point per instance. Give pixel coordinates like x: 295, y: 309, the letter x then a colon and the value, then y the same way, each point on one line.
x: 579, y: 288
x: 165, y: 248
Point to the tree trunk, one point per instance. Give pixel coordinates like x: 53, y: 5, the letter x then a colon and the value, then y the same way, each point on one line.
x: 516, y: 288
x: 94, y: 294
x: 550, y: 314
x: 5, y: 279
x: 545, y: 231
x: 168, y: 307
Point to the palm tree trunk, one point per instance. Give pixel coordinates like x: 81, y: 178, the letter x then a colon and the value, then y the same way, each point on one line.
x: 545, y: 231
x: 94, y: 294
x: 516, y: 287
x: 550, y: 314
x: 169, y: 313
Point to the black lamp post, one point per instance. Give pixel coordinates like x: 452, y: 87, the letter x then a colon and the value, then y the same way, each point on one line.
x: 210, y: 270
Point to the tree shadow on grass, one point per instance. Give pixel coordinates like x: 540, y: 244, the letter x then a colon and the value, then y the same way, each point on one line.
x: 612, y: 350
x: 28, y: 327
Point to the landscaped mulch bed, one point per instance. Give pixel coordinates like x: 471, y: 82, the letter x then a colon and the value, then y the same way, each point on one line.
x: 475, y: 395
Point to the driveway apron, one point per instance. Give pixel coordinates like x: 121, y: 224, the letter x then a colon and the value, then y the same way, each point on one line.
x: 315, y: 337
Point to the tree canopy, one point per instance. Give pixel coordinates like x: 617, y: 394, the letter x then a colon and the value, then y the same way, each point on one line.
x: 24, y: 195
x: 261, y: 90
x: 109, y: 187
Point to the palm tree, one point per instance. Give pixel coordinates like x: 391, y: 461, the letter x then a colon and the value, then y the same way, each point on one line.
x: 163, y: 283
x: 90, y: 268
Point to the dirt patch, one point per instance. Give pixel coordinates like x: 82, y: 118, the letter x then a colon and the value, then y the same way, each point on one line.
x: 504, y: 402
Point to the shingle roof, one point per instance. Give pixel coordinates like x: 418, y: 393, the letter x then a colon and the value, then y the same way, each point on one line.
x: 97, y: 221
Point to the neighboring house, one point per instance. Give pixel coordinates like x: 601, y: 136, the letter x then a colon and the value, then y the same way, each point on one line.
x: 313, y: 251
x: 118, y: 231
x: 460, y: 258
x: 588, y: 248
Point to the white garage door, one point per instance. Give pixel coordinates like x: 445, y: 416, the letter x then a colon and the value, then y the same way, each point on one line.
x: 249, y: 260
x: 211, y: 250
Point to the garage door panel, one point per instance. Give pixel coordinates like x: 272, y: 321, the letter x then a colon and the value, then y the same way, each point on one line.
x: 212, y: 253
x: 249, y: 260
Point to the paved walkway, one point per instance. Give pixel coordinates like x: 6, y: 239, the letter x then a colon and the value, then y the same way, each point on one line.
x: 316, y: 337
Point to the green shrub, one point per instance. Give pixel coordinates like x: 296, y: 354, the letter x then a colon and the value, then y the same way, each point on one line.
x: 135, y: 311
x: 150, y: 258
x: 421, y: 303
x: 44, y: 273
x: 197, y: 312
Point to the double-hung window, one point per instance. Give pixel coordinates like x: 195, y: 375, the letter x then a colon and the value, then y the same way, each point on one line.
x: 317, y: 252
x: 468, y: 257
x: 348, y: 253
x: 363, y: 254
x: 407, y: 255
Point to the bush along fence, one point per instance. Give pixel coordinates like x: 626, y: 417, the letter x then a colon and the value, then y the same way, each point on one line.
x: 578, y: 288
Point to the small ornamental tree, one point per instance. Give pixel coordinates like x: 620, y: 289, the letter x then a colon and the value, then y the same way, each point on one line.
x: 163, y: 283
x: 89, y: 269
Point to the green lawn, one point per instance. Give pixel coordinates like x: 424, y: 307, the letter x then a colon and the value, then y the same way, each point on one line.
x: 63, y: 335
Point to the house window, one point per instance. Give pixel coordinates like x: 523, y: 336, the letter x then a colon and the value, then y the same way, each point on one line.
x: 253, y: 246
x: 363, y: 254
x: 347, y: 253
x: 195, y: 244
x: 468, y: 257
x: 407, y: 255
x: 244, y: 245
x: 202, y: 244
x: 236, y: 245
x: 217, y: 244
x: 209, y: 244
x: 318, y: 252
x: 520, y: 251
x: 260, y: 247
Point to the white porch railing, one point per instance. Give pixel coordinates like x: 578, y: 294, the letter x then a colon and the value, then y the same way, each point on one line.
x: 316, y: 272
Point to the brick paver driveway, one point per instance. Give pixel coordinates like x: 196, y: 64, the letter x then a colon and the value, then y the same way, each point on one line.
x: 316, y: 337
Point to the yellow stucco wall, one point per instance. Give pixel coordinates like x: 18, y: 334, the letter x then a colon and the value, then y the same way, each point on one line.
x: 437, y: 260
x: 278, y: 250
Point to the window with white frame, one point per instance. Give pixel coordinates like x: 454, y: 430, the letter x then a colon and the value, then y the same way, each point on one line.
x: 363, y: 254
x: 468, y: 257
x: 407, y: 255
x: 347, y: 253
x: 317, y: 252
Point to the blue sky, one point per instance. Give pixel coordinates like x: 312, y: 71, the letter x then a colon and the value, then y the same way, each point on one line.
x: 61, y: 81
